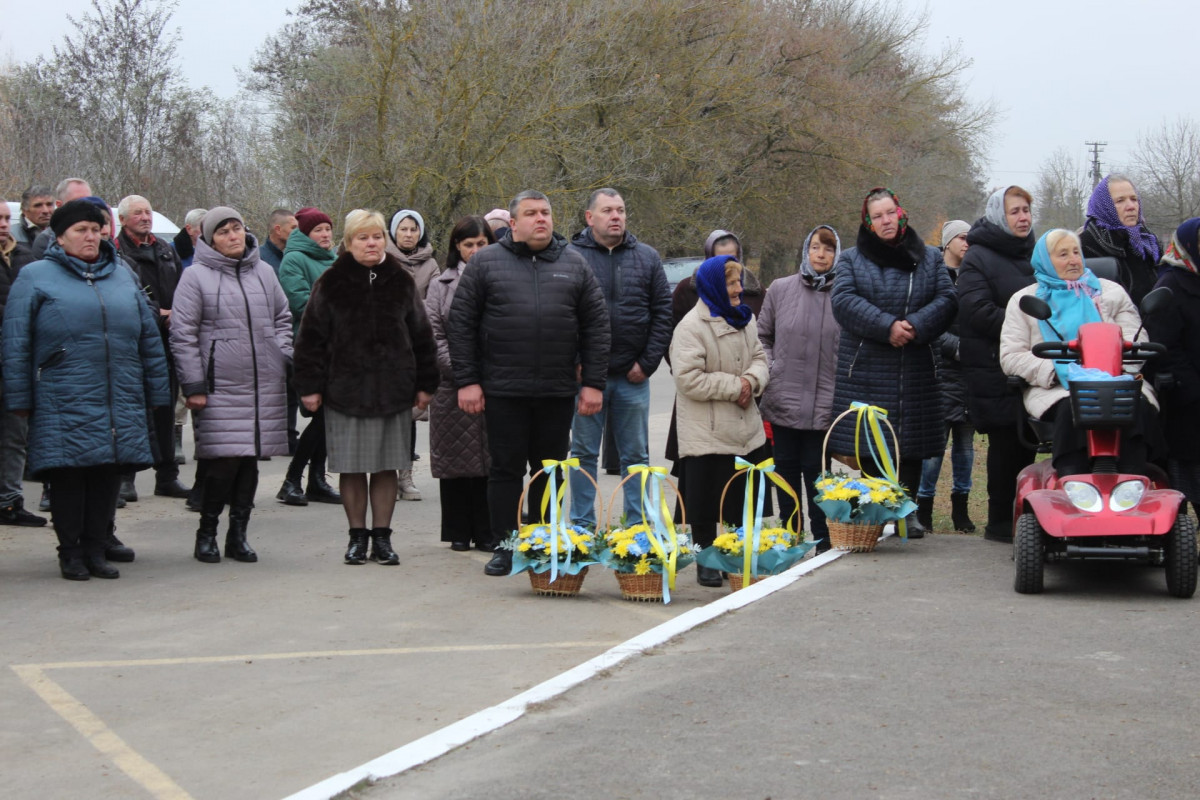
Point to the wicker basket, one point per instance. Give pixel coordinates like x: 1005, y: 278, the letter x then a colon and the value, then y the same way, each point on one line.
x: 646, y: 588
x: 855, y: 537
x: 565, y: 586
x: 735, y: 580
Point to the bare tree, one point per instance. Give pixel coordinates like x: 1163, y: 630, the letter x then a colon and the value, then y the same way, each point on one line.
x: 1166, y: 165
x: 1063, y: 188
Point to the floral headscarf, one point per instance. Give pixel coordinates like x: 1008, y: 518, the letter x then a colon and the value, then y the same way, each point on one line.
x: 1184, y: 249
x: 866, y: 218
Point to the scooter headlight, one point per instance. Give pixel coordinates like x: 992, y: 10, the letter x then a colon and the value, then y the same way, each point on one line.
x: 1126, y: 495
x: 1084, y: 496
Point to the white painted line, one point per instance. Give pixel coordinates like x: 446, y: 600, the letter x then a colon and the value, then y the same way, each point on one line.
x: 440, y: 742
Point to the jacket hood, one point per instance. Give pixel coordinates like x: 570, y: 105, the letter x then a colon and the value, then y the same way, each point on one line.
x: 102, y: 267
x: 558, y: 243
x: 208, y: 257
x: 720, y: 233
x: 301, y: 243
x: 993, y: 237
x: 585, y: 239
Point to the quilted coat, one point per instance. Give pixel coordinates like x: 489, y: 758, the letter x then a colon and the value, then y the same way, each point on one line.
x: 522, y: 321
x: 867, y: 299
x: 457, y: 441
x: 303, y: 262
x: 83, y: 353
x: 231, y: 334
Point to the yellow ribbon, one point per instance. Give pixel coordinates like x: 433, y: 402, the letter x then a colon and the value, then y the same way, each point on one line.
x: 666, y: 548
x: 557, y: 526
x: 877, y: 446
x: 752, y: 519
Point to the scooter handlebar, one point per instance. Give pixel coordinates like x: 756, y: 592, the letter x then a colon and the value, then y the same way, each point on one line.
x: 1054, y: 350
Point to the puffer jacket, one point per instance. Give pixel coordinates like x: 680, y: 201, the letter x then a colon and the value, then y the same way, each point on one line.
x: 867, y: 299
x: 800, y: 336
x: 995, y: 267
x: 954, y: 390
x: 1178, y: 327
x: 523, y: 320
x: 709, y: 357
x: 419, y: 264
x: 231, y: 334
x: 82, y: 353
x: 365, y: 344
x: 1021, y: 332
x: 457, y: 440
x: 638, y: 297
x: 303, y: 262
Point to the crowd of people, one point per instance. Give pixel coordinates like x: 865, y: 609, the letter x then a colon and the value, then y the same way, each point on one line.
x: 524, y: 346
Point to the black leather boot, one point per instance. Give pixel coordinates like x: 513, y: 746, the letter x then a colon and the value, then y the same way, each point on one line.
x: 381, y: 547
x: 206, y: 536
x: 319, y: 490
x: 925, y: 512
x: 958, y: 513
x: 356, y: 552
x: 291, y: 493
x: 215, y: 493
x: 114, y: 548
x: 501, y: 564
x: 240, y: 503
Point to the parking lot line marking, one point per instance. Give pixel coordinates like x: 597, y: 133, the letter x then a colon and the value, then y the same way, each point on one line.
x: 385, y: 651
x: 80, y: 717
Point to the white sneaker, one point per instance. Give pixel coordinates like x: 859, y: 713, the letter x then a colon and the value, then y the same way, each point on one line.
x: 406, y: 489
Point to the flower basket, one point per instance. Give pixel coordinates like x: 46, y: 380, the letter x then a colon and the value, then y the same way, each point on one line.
x: 646, y: 556
x: 555, y: 555
x: 735, y: 580
x: 858, y: 506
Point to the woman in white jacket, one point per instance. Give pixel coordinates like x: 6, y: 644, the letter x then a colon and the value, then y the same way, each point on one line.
x: 719, y: 367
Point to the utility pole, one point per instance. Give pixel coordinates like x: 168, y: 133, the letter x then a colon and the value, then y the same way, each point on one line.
x: 1097, y: 149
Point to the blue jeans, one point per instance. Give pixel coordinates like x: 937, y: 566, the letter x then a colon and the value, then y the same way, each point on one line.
x: 962, y: 458
x: 628, y: 410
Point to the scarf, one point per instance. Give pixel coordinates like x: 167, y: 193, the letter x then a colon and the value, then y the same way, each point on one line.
x: 1072, y: 303
x: 821, y: 281
x: 906, y: 254
x: 399, y: 217
x: 994, y: 212
x: 866, y: 218
x: 710, y: 285
x: 1103, y: 212
x: 1184, y: 249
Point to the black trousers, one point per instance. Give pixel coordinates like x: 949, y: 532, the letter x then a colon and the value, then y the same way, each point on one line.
x: 229, y: 481
x: 798, y: 461
x: 85, y: 500
x: 465, y: 516
x: 1006, y: 457
x: 310, y: 449
x: 522, y: 431
x: 1070, y: 451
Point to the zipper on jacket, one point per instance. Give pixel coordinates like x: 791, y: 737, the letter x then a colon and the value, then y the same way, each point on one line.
x: 52, y: 360
x: 537, y: 322
x: 112, y: 417
x: 254, y: 362
x: 907, y: 300
x: 854, y: 360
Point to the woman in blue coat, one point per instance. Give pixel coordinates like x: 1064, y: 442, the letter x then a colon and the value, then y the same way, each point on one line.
x: 84, y: 360
x: 892, y: 298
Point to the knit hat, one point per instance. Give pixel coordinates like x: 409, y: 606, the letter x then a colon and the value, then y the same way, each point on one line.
x: 498, y: 213
x: 215, y: 218
x: 310, y: 217
x: 952, y: 230
x: 399, y: 217
x: 74, y: 212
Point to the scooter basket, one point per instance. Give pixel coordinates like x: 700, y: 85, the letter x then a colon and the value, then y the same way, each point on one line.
x: 1105, y: 404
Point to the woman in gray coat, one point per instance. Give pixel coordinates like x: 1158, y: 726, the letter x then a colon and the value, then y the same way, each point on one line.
x: 231, y: 335
x: 800, y: 335
x: 458, y: 447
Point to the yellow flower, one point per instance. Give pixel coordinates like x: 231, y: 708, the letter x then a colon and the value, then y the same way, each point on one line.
x: 642, y: 567
x: 621, y: 548
x: 524, y: 546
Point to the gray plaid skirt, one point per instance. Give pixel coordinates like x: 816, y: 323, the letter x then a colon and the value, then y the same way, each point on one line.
x: 368, y: 444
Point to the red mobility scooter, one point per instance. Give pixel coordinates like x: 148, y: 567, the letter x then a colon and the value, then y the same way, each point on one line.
x: 1103, y: 514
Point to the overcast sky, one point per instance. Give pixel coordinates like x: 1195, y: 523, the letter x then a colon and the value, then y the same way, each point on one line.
x: 1059, y: 73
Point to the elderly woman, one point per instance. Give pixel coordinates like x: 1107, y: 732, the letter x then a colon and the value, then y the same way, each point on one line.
x: 83, y: 359
x: 1076, y: 297
x: 995, y: 267
x: 458, y: 450
x: 799, y: 335
x: 719, y: 367
x: 893, y: 299
x: 309, y: 252
x: 231, y: 334
x: 366, y: 355
x: 1115, y: 228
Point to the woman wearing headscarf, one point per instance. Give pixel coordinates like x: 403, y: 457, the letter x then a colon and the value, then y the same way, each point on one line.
x: 458, y: 450
x: 893, y: 299
x: 1076, y: 297
x: 719, y: 367
x: 231, y: 335
x: 995, y: 267
x: 1115, y: 228
x: 308, y: 253
x: 415, y: 254
x: 1178, y: 327
x: 83, y: 360
x: 799, y: 336
x: 366, y: 355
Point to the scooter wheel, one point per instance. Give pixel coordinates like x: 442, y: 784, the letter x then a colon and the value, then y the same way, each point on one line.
x: 1180, y: 557
x: 1029, y: 553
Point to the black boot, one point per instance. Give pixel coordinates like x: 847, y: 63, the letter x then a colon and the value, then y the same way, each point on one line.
x: 114, y: 548
x: 215, y: 493
x: 958, y: 513
x: 915, y: 529
x: 98, y: 566
x: 999, y: 531
x: 206, y: 537
x: 501, y: 563
x: 291, y: 493
x: 240, y: 503
x: 925, y: 512
x: 128, y: 489
x: 381, y: 547
x: 706, y: 576
x: 72, y: 567
x: 319, y: 490
x: 356, y: 552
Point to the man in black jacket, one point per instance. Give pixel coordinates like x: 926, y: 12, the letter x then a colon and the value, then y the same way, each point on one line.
x: 639, y: 316
x: 158, y: 268
x: 528, y: 333
x: 37, y: 204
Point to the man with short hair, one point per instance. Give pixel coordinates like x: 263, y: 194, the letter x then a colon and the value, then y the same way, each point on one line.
x: 638, y: 296
x: 279, y: 227
x: 68, y: 189
x: 529, y: 340
x: 37, y: 204
x: 158, y: 269
x: 185, y: 241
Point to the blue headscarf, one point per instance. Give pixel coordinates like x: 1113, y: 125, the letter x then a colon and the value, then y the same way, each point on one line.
x: 710, y: 285
x: 1072, y: 303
